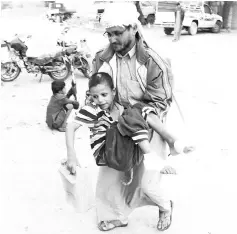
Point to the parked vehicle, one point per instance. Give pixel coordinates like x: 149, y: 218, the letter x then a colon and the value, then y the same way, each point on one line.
x: 58, y: 12
x: 197, y: 17
x: 81, y: 56
x: 55, y: 65
x: 78, y: 59
x: 148, y: 9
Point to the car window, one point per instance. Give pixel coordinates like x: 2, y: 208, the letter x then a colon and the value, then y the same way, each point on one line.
x: 207, y: 9
x: 145, y: 3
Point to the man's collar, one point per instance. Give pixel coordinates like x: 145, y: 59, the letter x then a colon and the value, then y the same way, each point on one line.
x: 130, y: 53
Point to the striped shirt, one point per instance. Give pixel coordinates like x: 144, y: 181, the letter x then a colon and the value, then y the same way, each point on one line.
x: 91, y: 115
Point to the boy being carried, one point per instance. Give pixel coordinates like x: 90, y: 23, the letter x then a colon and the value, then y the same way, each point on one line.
x: 119, y: 138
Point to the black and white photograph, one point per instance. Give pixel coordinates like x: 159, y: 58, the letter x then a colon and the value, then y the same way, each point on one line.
x: 118, y: 117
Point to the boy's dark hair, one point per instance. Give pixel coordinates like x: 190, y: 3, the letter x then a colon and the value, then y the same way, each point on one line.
x: 57, y: 86
x: 99, y: 78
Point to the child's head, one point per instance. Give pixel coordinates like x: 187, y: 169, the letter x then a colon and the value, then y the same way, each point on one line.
x: 58, y: 86
x: 102, y: 90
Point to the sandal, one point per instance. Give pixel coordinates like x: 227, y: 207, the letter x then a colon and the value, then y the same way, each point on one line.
x: 163, y: 216
x: 110, y: 225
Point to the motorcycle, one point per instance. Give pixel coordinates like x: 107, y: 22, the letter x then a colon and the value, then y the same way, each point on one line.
x: 55, y: 65
x: 80, y: 59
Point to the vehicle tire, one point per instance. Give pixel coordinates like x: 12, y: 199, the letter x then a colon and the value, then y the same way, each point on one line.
x: 151, y: 19
x: 63, y: 74
x: 68, y: 16
x: 168, y: 31
x: 192, y: 30
x: 86, y: 68
x: 217, y: 27
x: 9, y: 71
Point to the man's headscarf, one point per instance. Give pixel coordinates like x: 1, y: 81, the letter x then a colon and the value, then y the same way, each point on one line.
x: 121, y: 14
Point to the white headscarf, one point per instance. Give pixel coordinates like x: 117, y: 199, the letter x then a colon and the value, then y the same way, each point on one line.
x: 121, y: 14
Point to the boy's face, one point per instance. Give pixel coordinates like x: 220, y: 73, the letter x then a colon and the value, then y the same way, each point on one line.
x: 64, y: 91
x: 102, y: 96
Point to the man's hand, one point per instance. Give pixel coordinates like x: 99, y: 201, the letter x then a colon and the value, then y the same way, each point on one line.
x: 99, y: 126
x: 72, y: 164
x: 168, y: 170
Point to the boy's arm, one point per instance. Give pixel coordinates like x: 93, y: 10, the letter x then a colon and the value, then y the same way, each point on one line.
x: 66, y: 101
x: 72, y: 161
x: 72, y: 91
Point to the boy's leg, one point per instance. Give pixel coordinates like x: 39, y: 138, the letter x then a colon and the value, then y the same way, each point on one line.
x: 145, y: 146
x: 68, y: 109
x: 152, y: 160
x: 156, y: 124
x: 175, y: 145
x: 135, y: 123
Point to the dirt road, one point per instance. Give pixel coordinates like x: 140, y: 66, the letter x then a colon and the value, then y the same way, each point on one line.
x: 32, y: 198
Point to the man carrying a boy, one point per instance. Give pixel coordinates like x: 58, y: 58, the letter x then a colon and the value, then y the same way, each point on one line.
x: 139, y: 75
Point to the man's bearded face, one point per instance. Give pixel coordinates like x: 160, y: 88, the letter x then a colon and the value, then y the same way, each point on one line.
x: 120, y: 38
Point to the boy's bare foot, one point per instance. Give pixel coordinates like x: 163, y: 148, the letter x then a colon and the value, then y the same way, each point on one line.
x: 180, y: 147
x: 168, y: 170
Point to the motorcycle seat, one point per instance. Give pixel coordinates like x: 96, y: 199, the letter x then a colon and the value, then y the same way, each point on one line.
x: 47, y: 57
x: 70, y: 49
x: 31, y: 58
x: 40, y: 60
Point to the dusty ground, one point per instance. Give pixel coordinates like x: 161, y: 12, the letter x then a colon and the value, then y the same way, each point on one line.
x: 32, y: 198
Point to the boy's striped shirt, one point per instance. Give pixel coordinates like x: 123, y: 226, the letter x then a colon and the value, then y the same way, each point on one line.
x: 91, y: 115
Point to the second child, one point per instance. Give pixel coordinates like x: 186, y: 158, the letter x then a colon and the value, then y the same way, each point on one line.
x: 60, y: 106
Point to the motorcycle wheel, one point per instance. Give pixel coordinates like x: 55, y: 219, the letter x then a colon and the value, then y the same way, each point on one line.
x: 86, y: 68
x: 9, y: 71
x: 63, y: 73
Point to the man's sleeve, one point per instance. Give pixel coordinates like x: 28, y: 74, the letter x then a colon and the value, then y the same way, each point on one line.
x: 159, y: 87
x: 96, y: 61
